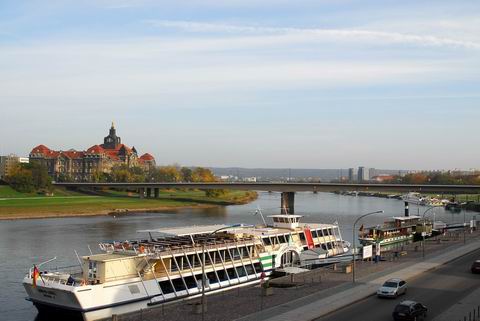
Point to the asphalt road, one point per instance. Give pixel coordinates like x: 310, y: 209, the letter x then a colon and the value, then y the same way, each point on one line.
x: 438, y: 290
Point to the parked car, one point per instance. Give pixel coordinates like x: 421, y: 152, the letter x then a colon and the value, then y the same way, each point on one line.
x: 409, y: 310
x: 392, y: 288
x: 475, y: 267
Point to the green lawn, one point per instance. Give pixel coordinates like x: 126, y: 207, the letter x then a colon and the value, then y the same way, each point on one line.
x: 65, y: 203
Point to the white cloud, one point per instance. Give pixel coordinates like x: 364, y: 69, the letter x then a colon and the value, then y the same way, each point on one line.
x: 316, y: 34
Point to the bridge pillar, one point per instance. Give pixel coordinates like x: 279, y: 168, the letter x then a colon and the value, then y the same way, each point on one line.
x: 149, y: 192
x: 288, y: 203
x: 141, y: 192
x: 156, y: 192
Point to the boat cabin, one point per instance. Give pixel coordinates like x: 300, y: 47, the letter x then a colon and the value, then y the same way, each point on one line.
x: 288, y: 221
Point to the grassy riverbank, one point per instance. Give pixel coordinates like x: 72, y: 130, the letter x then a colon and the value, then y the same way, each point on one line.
x: 15, y: 205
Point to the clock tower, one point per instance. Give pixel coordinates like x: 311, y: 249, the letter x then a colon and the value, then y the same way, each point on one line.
x: 112, y: 140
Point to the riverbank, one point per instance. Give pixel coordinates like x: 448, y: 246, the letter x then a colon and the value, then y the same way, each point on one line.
x: 66, y: 203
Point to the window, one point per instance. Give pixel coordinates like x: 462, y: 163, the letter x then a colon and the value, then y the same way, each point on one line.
x: 212, y: 278
x: 267, y: 241
x: 258, y: 267
x: 92, y: 270
x: 222, y: 275
x: 178, y: 284
x: 191, y: 282
x: 282, y: 239
x: 241, y: 271
x: 302, y: 236
x: 166, y: 287
x: 314, y: 233
x: 231, y: 273
x: 249, y: 269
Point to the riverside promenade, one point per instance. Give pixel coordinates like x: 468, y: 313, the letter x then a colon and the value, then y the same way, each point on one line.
x: 317, y: 292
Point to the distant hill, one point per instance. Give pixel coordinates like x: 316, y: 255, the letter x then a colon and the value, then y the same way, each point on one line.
x: 282, y: 174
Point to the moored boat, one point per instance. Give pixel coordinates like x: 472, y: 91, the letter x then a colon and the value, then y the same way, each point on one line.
x: 172, y: 263
x: 397, y: 230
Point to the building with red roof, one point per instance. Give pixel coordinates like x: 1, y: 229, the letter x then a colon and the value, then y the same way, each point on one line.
x: 82, y: 165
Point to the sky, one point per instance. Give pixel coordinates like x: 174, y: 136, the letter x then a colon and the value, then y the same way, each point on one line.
x: 272, y: 83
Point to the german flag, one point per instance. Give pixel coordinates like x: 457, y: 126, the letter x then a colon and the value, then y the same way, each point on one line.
x: 35, y: 275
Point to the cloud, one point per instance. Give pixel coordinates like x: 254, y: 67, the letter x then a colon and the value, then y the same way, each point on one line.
x: 315, y: 34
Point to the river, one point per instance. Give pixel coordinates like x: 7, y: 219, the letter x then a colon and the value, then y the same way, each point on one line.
x: 24, y: 242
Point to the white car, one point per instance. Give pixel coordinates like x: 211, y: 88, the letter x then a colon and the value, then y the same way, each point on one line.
x: 392, y: 288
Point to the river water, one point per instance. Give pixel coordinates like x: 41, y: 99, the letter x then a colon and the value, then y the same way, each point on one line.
x: 24, y: 242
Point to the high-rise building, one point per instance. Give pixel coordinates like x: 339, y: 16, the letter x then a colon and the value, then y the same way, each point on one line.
x: 363, y: 174
x: 352, y: 174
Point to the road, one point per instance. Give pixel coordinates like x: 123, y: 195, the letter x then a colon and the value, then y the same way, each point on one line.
x: 438, y: 290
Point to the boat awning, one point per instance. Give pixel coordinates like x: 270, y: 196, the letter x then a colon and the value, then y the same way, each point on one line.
x: 292, y: 270
x: 312, y: 254
x: 189, y: 230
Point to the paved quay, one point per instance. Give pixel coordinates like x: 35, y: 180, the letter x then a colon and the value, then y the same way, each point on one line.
x: 466, y: 309
x: 313, y: 293
x: 298, y: 310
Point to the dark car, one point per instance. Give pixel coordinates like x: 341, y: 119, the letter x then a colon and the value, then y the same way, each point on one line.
x: 475, y: 267
x: 409, y: 310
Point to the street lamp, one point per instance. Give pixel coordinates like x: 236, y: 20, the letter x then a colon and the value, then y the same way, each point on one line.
x: 464, y: 212
x: 203, y: 262
x: 424, y: 229
x: 354, y: 237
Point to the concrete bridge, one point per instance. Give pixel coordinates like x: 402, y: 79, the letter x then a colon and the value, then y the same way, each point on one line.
x: 150, y: 189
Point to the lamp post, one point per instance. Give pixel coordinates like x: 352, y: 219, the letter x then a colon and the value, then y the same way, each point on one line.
x: 354, y: 237
x: 464, y: 212
x: 203, y: 262
x: 424, y: 228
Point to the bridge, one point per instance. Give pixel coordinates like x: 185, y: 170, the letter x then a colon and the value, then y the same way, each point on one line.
x: 288, y: 190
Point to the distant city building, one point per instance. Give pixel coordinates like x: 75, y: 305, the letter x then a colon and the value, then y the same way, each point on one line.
x: 250, y: 179
x: 372, y: 173
x: 363, y: 174
x: 352, y: 174
x: 82, y: 165
x: 383, y: 178
x: 7, y: 163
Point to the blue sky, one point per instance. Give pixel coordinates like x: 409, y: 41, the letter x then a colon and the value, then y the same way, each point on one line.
x: 318, y: 84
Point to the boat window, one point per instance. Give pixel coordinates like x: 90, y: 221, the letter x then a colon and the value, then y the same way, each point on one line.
x: 314, y: 233
x: 92, y: 270
x: 267, y: 241
x: 329, y: 231
x: 166, y: 287
x: 241, y: 271
x: 324, y: 246
x: 302, y: 236
x: 191, y: 282
x: 258, y: 267
x: 235, y: 254
x: 178, y: 284
x: 222, y: 275
x: 282, y: 239
x: 212, y: 278
x: 250, y: 269
x: 231, y: 273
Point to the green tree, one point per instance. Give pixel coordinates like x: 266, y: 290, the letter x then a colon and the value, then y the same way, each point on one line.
x: 21, y: 179
x: 187, y: 174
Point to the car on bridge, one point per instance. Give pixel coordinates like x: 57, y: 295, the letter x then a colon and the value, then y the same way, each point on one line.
x: 392, y: 288
x: 409, y: 310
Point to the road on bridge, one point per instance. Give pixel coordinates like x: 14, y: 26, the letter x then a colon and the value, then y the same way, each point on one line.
x: 438, y: 290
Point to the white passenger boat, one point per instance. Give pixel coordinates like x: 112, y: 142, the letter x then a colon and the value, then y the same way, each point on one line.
x: 167, y: 266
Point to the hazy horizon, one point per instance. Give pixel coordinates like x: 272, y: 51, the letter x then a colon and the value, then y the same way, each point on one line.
x: 276, y: 84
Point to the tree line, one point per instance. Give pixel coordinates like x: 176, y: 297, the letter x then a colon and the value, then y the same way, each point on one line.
x: 436, y: 178
x: 34, y: 177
